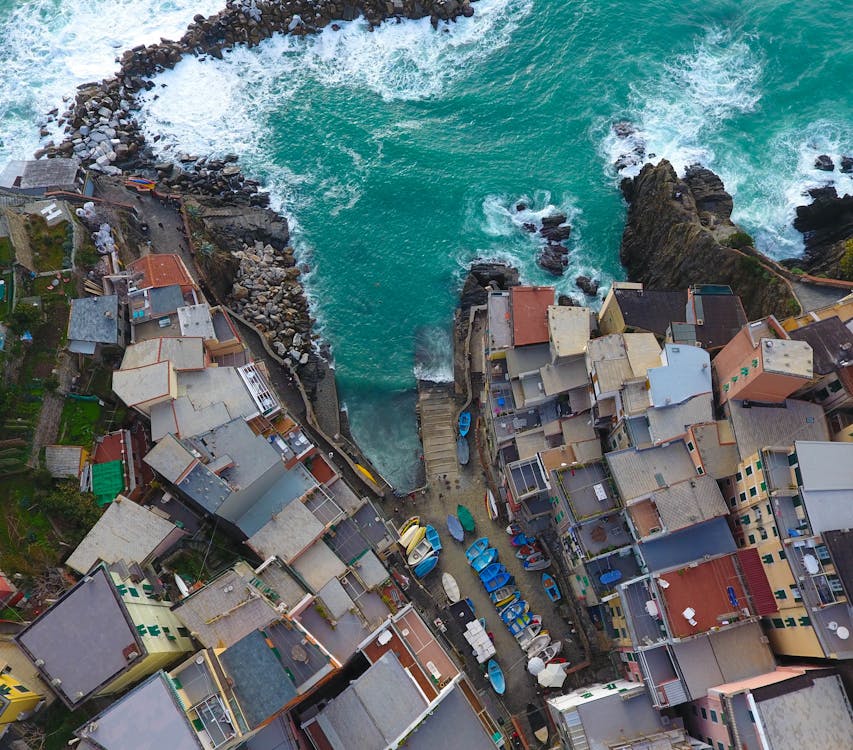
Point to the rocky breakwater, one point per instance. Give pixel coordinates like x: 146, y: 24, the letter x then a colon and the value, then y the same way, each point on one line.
x: 679, y: 232
x: 827, y: 227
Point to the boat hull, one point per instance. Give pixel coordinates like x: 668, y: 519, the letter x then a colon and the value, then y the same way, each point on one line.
x: 426, y: 567
x: 540, y: 564
x: 484, y: 560
x: 454, y: 528
x: 416, y: 539
x: 464, y: 423
x: 433, y: 538
x: 501, y: 579
x: 515, y: 610
x: 496, y: 677
x: 477, y: 548
x: 491, y: 505
x: 451, y: 588
x: 420, y: 553
x: 465, y: 518
x: 463, y: 452
x: 502, y: 596
x: 551, y: 587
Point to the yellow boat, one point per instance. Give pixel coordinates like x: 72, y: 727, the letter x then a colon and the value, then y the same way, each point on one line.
x: 416, y: 539
x: 413, y: 521
x: 365, y: 473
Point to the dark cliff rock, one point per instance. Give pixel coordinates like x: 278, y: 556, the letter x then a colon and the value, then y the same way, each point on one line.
x: 674, y: 236
x: 827, y: 227
x: 483, y: 276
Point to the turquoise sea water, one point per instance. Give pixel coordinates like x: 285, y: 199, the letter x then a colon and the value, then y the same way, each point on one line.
x: 399, y: 154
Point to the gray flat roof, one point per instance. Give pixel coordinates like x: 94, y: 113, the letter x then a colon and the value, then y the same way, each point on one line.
x: 169, y: 458
x: 287, y: 534
x: 640, y: 472
x: 709, y: 538
x: 452, y: 724
x: 165, y: 300
x: 81, y: 639
x: 218, y: 384
x: 147, y: 717
x: 668, y: 422
x: 94, y: 319
x: 41, y: 173
x: 759, y: 426
x: 288, y: 485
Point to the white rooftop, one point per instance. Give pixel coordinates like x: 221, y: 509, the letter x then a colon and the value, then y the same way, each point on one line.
x: 685, y: 372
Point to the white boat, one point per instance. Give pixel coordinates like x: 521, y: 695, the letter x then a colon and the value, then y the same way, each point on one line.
x: 451, y: 588
x: 408, y: 535
x: 182, y: 586
x: 537, y: 644
x: 549, y: 652
x: 417, y: 538
x: 527, y: 636
x: 420, y: 553
x: 491, y: 505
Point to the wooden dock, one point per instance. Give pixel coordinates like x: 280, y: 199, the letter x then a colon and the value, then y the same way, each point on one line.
x: 437, y: 411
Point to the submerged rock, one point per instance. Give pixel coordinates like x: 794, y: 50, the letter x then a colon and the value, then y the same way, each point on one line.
x: 587, y: 285
x: 824, y: 163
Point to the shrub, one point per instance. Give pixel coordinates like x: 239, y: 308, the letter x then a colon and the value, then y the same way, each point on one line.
x: 739, y: 241
x: 846, y: 263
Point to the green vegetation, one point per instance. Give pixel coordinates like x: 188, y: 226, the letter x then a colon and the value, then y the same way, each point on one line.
x: 28, y: 542
x: 749, y: 266
x: 739, y: 241
x: 797, y: 271
x: 51, y: 246
x: 79, y: 422
x: 78, y: 510
x: 6, y: 304
x: 7, y: 254
x: 846, y: 263
x: 59, y: 723
x: 26, y: 317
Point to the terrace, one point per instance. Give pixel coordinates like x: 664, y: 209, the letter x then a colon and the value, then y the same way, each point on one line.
x: 602, y: 535
x: 664, y: 683
x: 643, y: 613
x: 528, y: 478
x: 624, y: 561
x: 588, y: 490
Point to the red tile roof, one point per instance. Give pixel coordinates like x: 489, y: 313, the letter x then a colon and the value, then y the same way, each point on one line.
x: 162, y: 269
x: 530, y: 314
x: 755, y: 576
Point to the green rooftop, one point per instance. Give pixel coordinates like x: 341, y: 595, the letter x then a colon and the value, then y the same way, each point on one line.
x: 107, y: 481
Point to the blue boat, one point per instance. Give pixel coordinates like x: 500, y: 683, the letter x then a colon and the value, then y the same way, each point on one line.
x: 426, y: 566
x: 514, y: 611
x: 464, y: 422
x: 490, y: 571
x: 433, y: 538
x: 496, y: 677
x: 520, y: 540
x: 477, y: 548
x: 506, y: 603
x: 493, y: 584
x: 483, y: 561
x: 454, y: 528
x: 519, y: 624
x: 551, y: 587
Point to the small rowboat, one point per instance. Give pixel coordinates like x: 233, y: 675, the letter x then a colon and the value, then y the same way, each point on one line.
x: 416, y: 539
x: 526, y: 636
x: 527, y: 550
x: 514, y: 597
x: 540, y: 563
x: 548, y: 652
x: 513, y: 529
x: 465, y: 518
x: 477, y: 548
x: 496, y: 677
x: 537, y: 644
x: 451, y: 588
x: 464, y: 423
x: 519, y: 624
x: 481, y: 562
x: 551, y: 587
x: 455, y: 529
x: 408, y: 529
x: 520, y: 540
x: 490, y: 571
x: 426, y: 566
x: 463, y: 452
x: 420, y: 553
x: 433, y: 538
x: 501, y: 579
x: 515, y: 610
x: 491, y: 505
x: 502, y: 596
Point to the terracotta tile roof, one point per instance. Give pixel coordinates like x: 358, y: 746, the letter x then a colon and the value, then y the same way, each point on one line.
x: 530, y: 314
x: 162, y: 269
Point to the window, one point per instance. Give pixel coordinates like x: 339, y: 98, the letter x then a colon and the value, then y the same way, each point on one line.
x: 690, y: 446
x: 792, y: 459
x: 743, y: 497
x: 748, y: 470
x: 780, y: 594
x: 713, y: 716
x: 751, y: 717
x: 753, y: 491
x: 763, y: 533
x: 796, y: 500
x: 720, y: 746
x: 790, y: 622
x: 835, y: 584
x: 763, y: 486
x: 834, y: 386
x: 822, y: 552
x: 805, y: 621
x: 781, y: 554
x: 184, y: 632
x: 704, y: 714
x: 778, y: 622
x: 622, y: 631
x: 773, y: 529
x: 744, y: 519
x: 751, y: 538
x: 795, y: 592
x: 700, y: 471
x: 821, y: 394
x: 768, y: 559
x: 758, y: 464
x: 769, y: 510
x: 739, y: 476
x: 732, y: 502
x: 22, y: 689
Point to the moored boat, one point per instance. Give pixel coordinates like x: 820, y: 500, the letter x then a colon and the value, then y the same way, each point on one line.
x: 465, y: 518
x: 417, y: 538
x: 477, y: 548
x: 515, y: 610
x: 451, y: 588
x: 508, y: 602
x: 419, y: 553
x: 540, y: 563
x: 537, y: 644
x: 521, y: 539
x: 526, y: 636
x: 551, y: 587
x: 427, y: 566
x: 490, y: 571
x: 463, y: 452
x: 501, y: 579
x: 455, y: 529
x: 491, y: 505
x: 485, y: 559
x: 502, y: 596
x: 548, y: 652
x: 433, y: 538
x: 519, y: 623
x: 496, y: 677
x: 464, y: 423
x: 538, y: 722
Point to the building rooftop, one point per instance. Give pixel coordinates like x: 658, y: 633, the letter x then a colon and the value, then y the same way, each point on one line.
x: 758, y: 426
x: 125, y: 531
x: 527, y: 360
x: 195, y: 320
x: 685, y: 373
x: 564, y: 377
x: 93, y: 320
x: 64, y: 460
x: 162, y: 269
x: 668, y: 422
x: 530, y: 314
x: 717, y: 317
x: 651, y: 310
x: 787, y: 357
x: 641, y: 472
x: 184, y: 353
x: 138, y: 386
x: 452, y: 723
x: 218, y: 385
x: 318, y: 565
x: 569, y: 329
x: 500, y: 321
x: 147, y: 717
x: 358, y: 717
x: 287, y: 534
x: 83, y: 641
x: 715, y: 443
x: 826, y: 483
x: 689, y: 502
x: 179, y: 417
x: 840, y: 546
x: 40, y: 174
x: 831, y: 342
x: 688, y: 544
x: 261, y: 683
x: 170, y: 459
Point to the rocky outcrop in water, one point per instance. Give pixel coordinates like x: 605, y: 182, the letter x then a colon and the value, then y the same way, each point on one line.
x: 827, y: 227
x: 483, y: 277
x: 554, y: 256
x: 674, y: 236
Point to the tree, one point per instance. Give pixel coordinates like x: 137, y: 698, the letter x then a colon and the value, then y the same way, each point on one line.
x: 25, y: 317
x: 76, y: 509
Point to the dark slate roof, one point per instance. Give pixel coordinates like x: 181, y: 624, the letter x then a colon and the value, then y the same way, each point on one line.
x: 840, y: 545
x: 831, y: 341
x: 651, y: 310
x: 166, y: 299
x: 709, y: 538
x: 722, y: 316
x: 94, y: 319
x: 260, y: 682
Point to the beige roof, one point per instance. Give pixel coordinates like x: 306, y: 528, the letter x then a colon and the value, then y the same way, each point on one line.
x: 606, y: 347
x: 319, y: 565
x: 287, y: 534
x: 63, y: 460
x: 639, y: 473
x: 183, y: 419
x: 530, y: 443
x: 690, y: 502
x: 125, y: 531
x: 612, y: 374
x: 568, y: 329
x: 787, y: 357
x: 643, y: 352
x: 717, y: 449
x: 635, y: 397
x: 185, y: 353
x: 170, y: 459
x: 667, y: 422
x: 142, y: 384
x: 563, y: 377
x: 218, y: 384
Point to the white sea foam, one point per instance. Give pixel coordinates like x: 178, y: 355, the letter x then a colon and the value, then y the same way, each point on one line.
x: 507, y: 240
x: 433, y: 355
x: 677, y: 110
x: 784, y: 184
x: 48, y: 48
